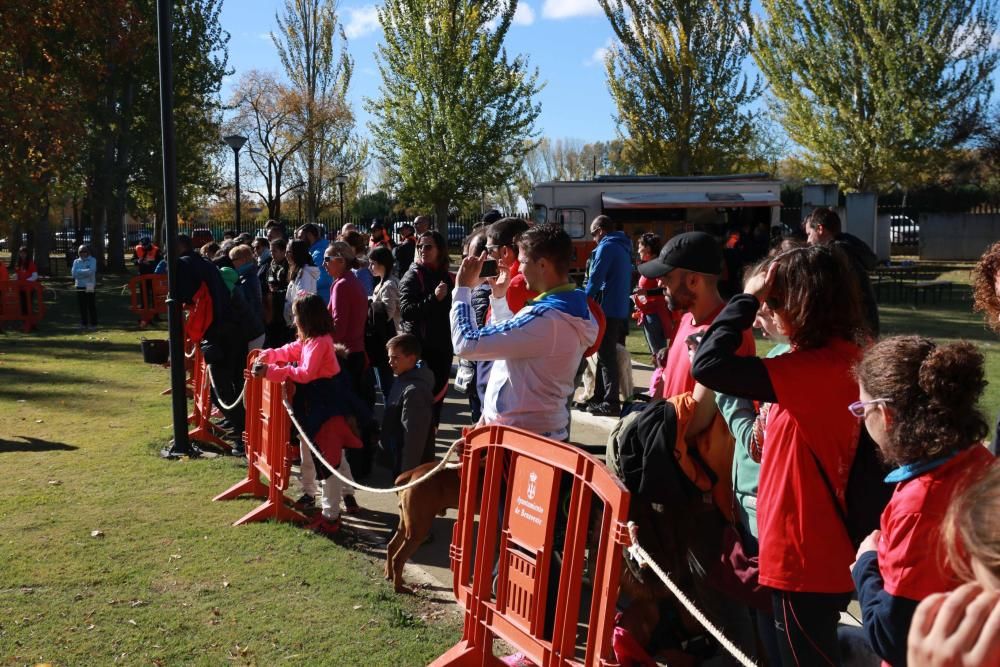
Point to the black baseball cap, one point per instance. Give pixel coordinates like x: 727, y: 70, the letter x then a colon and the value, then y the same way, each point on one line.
x: 691, y: 251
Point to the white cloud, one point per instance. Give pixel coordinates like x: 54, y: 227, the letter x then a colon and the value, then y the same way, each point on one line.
x: 266, y: 36
x: 524, y: 14
x: 564, y: 9
x: 597, y: 57
x: 361, y: 21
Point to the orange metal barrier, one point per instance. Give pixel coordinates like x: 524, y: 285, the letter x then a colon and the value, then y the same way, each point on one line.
x: 525, y: 545
x: 21, y: 301
x: 149, y: 296
x: 204, y: 430
x: 269, y: 454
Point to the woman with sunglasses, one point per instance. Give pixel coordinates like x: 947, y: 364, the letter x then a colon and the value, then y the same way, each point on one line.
x: 805, y: 549
x: 918, y: 401
x: 424, y: 307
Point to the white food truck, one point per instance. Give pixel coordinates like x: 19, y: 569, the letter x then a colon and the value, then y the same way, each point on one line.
x: 661, y: 204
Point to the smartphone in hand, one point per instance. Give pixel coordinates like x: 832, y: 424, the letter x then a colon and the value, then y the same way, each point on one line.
x: 490, y: 269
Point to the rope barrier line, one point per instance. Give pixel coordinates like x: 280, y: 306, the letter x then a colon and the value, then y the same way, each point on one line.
x: 351, y: 483
x: 642, y: 558
x: 239, y: 399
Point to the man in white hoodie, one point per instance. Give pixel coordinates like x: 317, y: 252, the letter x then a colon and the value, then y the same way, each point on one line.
x: 537, y: 350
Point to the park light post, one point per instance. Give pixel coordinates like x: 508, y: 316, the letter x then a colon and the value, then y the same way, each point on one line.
x: 236, y: 141
x: 341, y: 181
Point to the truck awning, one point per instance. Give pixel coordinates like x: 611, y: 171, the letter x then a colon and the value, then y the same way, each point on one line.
x: 652, y: 200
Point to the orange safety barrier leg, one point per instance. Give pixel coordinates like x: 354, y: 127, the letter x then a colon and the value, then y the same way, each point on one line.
x: 266, y: 440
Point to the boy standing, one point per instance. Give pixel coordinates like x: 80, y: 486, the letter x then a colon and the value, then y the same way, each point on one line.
x: 406, y: 423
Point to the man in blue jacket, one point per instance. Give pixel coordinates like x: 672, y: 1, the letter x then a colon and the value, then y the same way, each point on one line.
x: 318, y: 244
x: 609, y: 282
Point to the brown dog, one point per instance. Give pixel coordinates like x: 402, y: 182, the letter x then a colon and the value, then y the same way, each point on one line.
x: 417, y: 508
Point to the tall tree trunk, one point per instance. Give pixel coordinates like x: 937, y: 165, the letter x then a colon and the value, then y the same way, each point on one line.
x: 119, y: 207
x: 441, y: 217
x: 43, y: 239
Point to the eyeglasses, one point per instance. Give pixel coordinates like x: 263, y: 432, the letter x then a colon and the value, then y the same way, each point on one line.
x: 857, y: 408
x: 330, y: 258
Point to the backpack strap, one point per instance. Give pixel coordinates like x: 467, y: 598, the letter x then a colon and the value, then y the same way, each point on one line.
x: 829, y: 487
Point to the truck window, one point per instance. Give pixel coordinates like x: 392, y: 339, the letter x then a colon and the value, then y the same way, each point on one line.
x: 541, y: 214
x: 573, y: 220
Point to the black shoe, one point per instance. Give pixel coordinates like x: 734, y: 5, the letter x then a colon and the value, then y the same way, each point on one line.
x: 605, y: 410
x: 583, y: 406
x: 351, y: 504
x: 305, y: 502
x: 238, y: 452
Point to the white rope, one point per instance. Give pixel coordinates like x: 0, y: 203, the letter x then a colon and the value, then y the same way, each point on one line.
x: 642, y: 558
x: 395, y: 489
x: 190, y: 355
x: 239, y: 399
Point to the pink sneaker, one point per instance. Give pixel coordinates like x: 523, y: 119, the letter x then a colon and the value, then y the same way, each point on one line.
x: 517, y: 660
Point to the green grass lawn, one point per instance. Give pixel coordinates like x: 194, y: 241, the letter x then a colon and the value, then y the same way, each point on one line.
x: 168, y: 580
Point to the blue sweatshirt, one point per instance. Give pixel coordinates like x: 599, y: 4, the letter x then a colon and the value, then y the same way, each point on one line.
x: 324, y: 282
x: 610, y: 279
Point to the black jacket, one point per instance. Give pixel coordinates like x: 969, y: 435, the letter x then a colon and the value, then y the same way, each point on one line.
x: 421, y: 313
x: 862, y: 260
x: 403, y: 255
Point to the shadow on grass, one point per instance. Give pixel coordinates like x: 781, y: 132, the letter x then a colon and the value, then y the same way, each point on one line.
x: 29, y: 444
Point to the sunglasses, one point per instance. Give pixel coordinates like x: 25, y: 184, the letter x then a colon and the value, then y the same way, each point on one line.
x: 857, y: 408
x: 330, y: 258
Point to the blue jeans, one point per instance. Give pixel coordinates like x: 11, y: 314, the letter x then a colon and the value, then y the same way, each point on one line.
x: 656, y: 339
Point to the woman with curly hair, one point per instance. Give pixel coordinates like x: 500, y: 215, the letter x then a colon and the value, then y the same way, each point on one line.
x: 918, y: 401
x: 986, y: 300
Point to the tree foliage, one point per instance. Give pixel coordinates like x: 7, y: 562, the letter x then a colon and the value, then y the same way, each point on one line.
x: 455, y: 114
x: 320, y: 75
x: 265, y: 113
x: 676, y: 77
x: 876, y: 93
x: 79, y: 111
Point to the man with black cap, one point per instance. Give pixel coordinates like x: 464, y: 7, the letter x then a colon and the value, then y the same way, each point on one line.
x: 403, y: 253
x: 688, y: 269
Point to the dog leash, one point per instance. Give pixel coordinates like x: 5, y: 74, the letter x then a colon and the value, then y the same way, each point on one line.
x: 333, y: 471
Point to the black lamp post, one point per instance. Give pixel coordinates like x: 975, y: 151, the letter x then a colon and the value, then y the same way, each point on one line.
x: 341, y: 180
x: 236, y: 142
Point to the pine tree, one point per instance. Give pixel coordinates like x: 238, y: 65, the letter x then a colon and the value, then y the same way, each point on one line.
x: 876, y: 93
x: 676, y: 77
x: 454, y: 112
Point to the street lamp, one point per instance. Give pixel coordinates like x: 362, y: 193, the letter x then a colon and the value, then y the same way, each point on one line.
x: 236, y: 142
x: 341, y: 181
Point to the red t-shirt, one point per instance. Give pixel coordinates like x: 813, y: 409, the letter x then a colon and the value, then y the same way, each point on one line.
x: 804, y: 545
x: 677, y: 378
x: 4, y: 275
x: 518, y: 293
x: 909, y: 555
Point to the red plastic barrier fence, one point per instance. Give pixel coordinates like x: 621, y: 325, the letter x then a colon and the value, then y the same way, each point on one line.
x: 204, y: 430
x: 149, y: 296
x: 269, y: 455
x: 21, y: 301
x: 525, y: 546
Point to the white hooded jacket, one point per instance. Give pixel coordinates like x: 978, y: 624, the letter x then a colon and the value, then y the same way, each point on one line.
x: 537, y: 353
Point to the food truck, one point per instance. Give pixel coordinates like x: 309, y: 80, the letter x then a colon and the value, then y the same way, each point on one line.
x: 665, y: 205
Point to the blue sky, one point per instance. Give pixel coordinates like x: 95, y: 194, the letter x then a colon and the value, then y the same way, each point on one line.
x: 562, y: 38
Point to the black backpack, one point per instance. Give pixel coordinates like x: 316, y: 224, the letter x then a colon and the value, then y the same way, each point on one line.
x: 867, y: 492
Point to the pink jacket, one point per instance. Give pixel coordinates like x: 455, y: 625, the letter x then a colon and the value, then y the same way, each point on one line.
x: 316, y: 359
